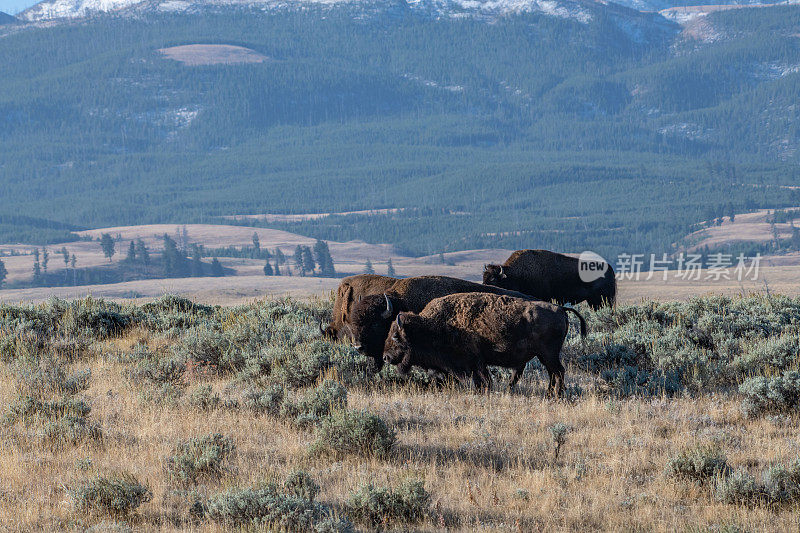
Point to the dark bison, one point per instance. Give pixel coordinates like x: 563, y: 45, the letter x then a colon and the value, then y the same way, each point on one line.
x: 351, y: 290
x: 550, y: 276
x: 371, y: 318
x: 462, y: 334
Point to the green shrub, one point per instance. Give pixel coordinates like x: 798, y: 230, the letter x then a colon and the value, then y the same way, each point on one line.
x: 778, y: 353
x: 267, y: 400
x: 779, y: 485
x: 199, y: 457
x: 71, y: 430
x: 354, y: 432
x: 376, y: 506
x: 118, y: 494
x: 771, y: 394
x: 47, y: 376
x: 204, y: 398
x: 316, y: 403
x: 700, y: 464
x: 300, y: 484
x: 30, y: 410
x: 265, y: 506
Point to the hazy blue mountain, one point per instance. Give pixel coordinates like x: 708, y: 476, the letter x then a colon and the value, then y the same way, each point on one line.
x: 5, y: 18
x: 564, y: 125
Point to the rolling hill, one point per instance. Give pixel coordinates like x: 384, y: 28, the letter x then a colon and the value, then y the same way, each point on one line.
x: 567, y: 125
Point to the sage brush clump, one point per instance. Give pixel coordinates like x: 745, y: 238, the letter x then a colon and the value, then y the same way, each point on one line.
x: 771, y: 394
x: 699, y: 464
x: 354, y: 432
x: 118, y: 494
x: 199, y: 457
x: 779, y: 485
x: 376, y: 506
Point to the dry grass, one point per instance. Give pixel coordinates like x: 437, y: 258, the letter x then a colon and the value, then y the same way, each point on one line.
x: 487, y: 460
x: 212, y: 54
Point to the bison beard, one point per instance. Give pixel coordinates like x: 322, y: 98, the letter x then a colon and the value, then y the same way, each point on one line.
x: 462, y: 334
x: 551, y: 276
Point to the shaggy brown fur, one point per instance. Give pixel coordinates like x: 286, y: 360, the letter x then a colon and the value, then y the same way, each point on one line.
x: 370, y: 319
x: 351, y: 290
x: 462, y: 334
x: 550, y: 276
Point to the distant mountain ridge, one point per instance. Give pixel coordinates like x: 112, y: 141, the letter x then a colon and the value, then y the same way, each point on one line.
x: 5, y: 18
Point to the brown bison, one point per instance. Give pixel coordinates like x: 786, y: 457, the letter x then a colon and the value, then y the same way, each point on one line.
x: 371, y: 318
x: 550, y: 276
x: 462, y: 334
x: 351, y: 290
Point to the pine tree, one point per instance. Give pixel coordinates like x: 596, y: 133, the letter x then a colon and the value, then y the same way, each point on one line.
x: 390, y: 269
x: 131, y: 257
x: 322, y: 255
x: 368, y: 269
x: 37, y: 272
x: 174, y: 260
x: 308, y: 260
x: 216, y: 268
x: 142, y: 253
x: 197, y: 262
x: 256, y: 243
x: 65, y: 255
x: 298, y: 260
x: 279, y: 257
x: 45, y: 259
x: 107, y: 244
x: 277, y: 269
x: 267, y: 269
x: 3, y: 273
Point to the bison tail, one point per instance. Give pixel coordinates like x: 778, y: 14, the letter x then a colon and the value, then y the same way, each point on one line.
x: 580, y: 318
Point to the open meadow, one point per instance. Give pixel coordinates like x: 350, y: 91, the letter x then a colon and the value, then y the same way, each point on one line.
x: 172, y: 415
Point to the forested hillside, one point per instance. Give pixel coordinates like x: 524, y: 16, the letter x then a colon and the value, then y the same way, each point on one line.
x: 613, y: 133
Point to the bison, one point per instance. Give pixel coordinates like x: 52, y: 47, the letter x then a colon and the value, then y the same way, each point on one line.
x: 550, y: 276
x: 351, y: 290
x: 462, y: 334
x: 371, y: 318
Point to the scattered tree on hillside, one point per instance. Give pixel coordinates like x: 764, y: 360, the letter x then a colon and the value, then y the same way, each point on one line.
x: 368, y: 268
x: 3, y: 273
x: 308, y: 260
x: 65, y: 255
x: 256, y: 243
x: 277, y: 269
x: 142, y: 253
x: 322, y: 256
x: 131, y: 257
x: 390, y: 269
x: 216, y: 268
x: 197, y: 263
x: 37, y: 268
x: 45, y: 259
x: 279, y: 257
x: 72, y: 262
x: 107, y: 244
x: 268, y: 269
x: 299, y: 260
x: 174, y: 260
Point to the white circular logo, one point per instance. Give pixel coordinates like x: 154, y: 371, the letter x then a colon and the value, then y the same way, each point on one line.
x: 591, y: 267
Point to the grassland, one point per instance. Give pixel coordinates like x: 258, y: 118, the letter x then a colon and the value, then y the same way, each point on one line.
x: 679, y: 416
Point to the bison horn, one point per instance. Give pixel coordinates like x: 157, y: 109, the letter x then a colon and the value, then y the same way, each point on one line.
x: 399, y: 322
x: 388, y: 312
x: 502, y: 274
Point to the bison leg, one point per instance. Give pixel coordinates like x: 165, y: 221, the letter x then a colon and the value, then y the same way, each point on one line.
x: 481, y: 379
x: 556, y: 385
x: 515, y: 376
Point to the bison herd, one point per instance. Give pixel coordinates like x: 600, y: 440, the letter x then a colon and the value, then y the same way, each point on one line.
x: 459, y: 328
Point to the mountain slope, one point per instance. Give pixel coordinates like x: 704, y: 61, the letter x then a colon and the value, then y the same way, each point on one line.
x: 5, y: 18
x: 516, y: 130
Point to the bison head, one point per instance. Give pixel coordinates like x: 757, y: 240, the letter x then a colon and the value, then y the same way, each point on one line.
x: 494, y: 275
x: 369, y: 323
x: 398, y: 347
